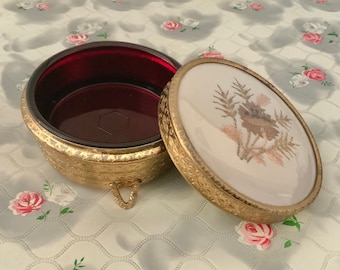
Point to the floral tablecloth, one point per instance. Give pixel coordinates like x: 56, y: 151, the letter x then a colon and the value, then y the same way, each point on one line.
x: 48, y: 222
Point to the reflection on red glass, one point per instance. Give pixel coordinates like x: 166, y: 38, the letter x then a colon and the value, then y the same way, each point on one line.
x: 101, y: 94
x: 108, y: 113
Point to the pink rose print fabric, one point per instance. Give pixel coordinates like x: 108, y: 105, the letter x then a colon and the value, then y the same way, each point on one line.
x: 86, y: 31
x: 43, y: 6
x: 26, y: 5
x: 308, y: 75
x: 318, y: 33
x: 252, y: 234
x: 211, y: 53
x: 171, y: 25
x: 182, y: 24
x: 314, y: 74
x: 255, y: 6
x: 312, y: 38
x: 241, y: 5
x: 26, y: 202
x: 77, y: 39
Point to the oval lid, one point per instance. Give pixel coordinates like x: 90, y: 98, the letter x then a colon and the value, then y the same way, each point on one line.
x: 236, y: 139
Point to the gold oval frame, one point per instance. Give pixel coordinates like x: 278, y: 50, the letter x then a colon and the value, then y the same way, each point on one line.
x: 201, y: 177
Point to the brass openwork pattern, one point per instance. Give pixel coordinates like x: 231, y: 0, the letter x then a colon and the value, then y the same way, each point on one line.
x: 101, y: 168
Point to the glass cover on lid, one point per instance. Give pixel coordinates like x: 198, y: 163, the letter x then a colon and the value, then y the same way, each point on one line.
x: 247, y: 133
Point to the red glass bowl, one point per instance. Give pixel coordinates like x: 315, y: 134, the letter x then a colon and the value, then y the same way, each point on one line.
x: 93, y: 110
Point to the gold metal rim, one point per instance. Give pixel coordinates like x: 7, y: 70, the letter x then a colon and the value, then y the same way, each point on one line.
x: 178, y: 143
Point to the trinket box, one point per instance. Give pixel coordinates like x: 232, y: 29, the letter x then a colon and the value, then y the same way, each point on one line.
x: 93, y: 110
x: 96, y: 113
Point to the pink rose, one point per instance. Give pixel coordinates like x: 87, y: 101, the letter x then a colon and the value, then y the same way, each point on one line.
x: 43, y: 6
x: 25, y: 202
x: 312, y: 38
x: 321, y: 1
x: 77, y: 39
x: 171, y: 25
x: 314, y: 74
x: 256, y: 6
x: 255, y: 234
x: 211, y: 54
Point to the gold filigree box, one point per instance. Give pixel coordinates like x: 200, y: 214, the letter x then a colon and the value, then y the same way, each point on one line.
x: 232, y: 135
x: 93, y: 110
x: 238, y: 141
